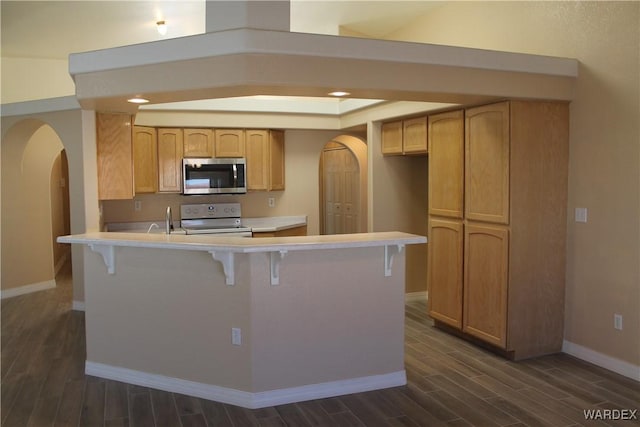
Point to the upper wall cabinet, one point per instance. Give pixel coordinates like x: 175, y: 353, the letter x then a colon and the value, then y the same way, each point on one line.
x: 265, y: 159
x: 114, y: 155
x: 392, y: 138
x: 145, y: 159
x: 405, y: 136
x: 170, y: 148
x: 198, y: 143
x: 414, y: 136
x: 229, y: 143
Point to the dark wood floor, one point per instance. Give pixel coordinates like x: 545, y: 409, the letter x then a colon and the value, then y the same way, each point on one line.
x: 450, y: 383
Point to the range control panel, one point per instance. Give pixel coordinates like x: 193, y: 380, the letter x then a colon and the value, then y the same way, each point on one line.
x: 213, y: 210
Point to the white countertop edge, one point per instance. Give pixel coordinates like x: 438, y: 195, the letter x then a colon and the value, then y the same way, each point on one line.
x: 244, y: 244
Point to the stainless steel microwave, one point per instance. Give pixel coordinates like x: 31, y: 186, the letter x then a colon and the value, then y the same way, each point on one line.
x: 214, y: 176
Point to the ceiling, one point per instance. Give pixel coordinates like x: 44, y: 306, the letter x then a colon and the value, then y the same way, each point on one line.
x: 54, y: 29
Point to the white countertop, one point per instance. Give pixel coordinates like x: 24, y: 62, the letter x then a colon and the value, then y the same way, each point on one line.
x: 211, y: 242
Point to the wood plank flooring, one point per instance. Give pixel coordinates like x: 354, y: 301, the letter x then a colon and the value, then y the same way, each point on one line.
x: 450, y: 383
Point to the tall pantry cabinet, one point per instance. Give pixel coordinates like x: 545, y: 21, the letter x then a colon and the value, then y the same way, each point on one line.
x: 497, y: 224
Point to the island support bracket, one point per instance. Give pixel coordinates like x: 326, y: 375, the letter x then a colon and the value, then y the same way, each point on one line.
x: 275, y: 258
x: 227, y: 261
x: 108, y: 256
x: 389, y: 252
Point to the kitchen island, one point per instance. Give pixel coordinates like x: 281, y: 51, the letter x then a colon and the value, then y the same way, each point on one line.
x: 250, y: 322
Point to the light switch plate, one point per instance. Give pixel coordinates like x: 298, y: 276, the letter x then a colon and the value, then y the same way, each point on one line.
x: 581, y: 214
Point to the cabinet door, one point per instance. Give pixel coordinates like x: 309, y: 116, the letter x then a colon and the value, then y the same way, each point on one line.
x: 444, y: 271
x: 257, y: 149
x: 446, y: 164
x: 276, y: 160
x: 486, y: 258
x: 145, y: 159
x: 114, y: 155
x: 198, y: 143
x: 170, y: 146
x: 229, y: 143
x: 392, y: 138
x: 487, y: 163
x: 414, y: 136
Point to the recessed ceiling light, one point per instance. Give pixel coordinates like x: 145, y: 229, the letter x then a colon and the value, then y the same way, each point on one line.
x: 137, y: 100
x: 339, y: 93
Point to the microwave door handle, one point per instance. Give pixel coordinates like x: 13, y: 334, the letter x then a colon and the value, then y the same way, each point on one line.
x: 235, y: 175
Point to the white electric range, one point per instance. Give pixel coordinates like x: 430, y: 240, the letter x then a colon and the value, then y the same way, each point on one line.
x: 214, y: 218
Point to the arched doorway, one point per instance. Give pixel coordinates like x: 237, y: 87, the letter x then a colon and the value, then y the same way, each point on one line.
x: 35, y: 207
x: 343, y: 186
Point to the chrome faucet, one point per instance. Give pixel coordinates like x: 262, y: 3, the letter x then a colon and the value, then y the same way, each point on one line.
x: 168, y: 221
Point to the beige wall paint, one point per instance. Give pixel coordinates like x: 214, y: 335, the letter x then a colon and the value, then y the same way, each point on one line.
x: 603, y: 255
x: 16, y: 132
x: 25, y: 79
x: 27, y: 220
x: 176, y: 321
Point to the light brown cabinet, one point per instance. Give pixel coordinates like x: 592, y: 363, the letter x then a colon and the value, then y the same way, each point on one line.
x: 229, y: 143
x: 407, y: 136
x: 486, y: 264
x: 198, y: 143
x: 295, y: 231
x: 444, y: 270
x: 446, y: 164
x: 114, y: 156
x: 514, y: 223
x: 145, y: 160
x: 487, y: 163
x: 170, y: 149
x: 391, y: 138
x: 265, y: 159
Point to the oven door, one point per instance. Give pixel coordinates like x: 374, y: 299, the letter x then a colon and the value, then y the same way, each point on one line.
x: 214, y: 176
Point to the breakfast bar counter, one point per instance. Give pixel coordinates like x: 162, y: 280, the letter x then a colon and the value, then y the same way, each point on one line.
x: 246, y: 321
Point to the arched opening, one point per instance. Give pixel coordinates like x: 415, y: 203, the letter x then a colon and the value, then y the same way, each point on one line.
x: 35, y: 207
x: 343, y: 186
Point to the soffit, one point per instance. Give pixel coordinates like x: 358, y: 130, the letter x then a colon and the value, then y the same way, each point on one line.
x: 246, y: 62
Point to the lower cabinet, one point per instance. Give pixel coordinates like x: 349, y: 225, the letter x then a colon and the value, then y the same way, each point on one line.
x: 444, y: 271
x: 296, y: 231
x: 486, y: 263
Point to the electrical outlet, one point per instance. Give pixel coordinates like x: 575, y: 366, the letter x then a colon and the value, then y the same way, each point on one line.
x: 272, y: 202
x: 617, y: 321
x: 581, y: 214
x: 236, y: 336
x: 137, y: 205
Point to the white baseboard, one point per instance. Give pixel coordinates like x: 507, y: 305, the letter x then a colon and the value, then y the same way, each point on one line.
x: 77, y: 305
x: 415, y: 296
x: 611, y: 363
x: 27, y: 289
x: 244, y: 398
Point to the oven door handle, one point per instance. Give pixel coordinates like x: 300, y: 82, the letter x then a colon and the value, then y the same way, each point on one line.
x: 235, y: 175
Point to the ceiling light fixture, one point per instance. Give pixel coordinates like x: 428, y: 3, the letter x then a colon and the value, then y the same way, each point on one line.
x: 162, y: 27
x: 339, y: 93
x: 137, y: 100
